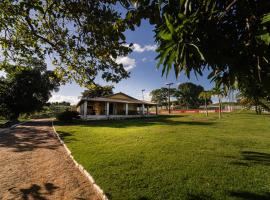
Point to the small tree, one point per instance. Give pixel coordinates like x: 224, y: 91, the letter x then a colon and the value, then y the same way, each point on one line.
x: 217, y: 91
x: 206, y: 95
x: 25, y: 91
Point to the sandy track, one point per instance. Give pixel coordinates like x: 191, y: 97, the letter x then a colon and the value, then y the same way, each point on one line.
x: 33, y: 165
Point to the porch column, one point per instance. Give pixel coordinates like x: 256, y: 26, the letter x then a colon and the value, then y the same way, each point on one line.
x: 108, y: 108
x: 126, y: 109
x: 156, y: 110
x: 85, y: 109
x: 147, y: 109
x: 143, y: 109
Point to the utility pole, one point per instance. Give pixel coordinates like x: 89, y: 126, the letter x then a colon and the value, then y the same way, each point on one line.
x: 169, y: 87
x: 142, y: 94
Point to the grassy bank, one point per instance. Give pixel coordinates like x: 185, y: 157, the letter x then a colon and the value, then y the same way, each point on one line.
x: 179, y: 157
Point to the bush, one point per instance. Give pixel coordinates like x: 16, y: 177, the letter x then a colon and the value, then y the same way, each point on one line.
x: 68, y: 116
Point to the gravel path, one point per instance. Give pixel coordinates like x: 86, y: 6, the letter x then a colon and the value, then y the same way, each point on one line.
x: 33, y: 165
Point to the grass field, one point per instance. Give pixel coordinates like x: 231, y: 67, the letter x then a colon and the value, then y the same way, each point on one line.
x: 177, y: 157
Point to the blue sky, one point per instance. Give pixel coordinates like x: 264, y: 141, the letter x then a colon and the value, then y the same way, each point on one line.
x: 142, y: 66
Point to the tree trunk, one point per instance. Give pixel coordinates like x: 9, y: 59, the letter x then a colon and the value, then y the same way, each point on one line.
x: 260, y: 110
x: 206, y: 110
x: 219, y: 110
x: 257, y: 107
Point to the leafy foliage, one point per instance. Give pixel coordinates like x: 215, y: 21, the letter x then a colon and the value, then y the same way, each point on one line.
x: 96, y: 90
x: 160, y: 96
x: 229, y: 38
x: 25, y: 91
x: 82, y: 38
x: 206, y: 96
x: 68, y: 116
x: 188, y: 95
x: 254, y: 96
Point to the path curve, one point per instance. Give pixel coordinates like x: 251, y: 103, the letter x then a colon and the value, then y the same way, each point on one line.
x: 34, y: 165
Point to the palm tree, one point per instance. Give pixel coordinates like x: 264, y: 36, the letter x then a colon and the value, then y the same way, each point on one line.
x: 205, y: 95
x: 217, y: 91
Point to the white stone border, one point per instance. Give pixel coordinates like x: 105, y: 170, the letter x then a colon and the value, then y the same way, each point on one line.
x: 80, y: 167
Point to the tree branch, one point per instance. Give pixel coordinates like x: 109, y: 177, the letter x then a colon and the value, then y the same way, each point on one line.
x: 28, y: 20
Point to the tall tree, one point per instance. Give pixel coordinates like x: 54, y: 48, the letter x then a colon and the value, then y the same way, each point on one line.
x: 82, y: 38
x: 95, y: 90
x: 188, y: 95
x: 26, y: 91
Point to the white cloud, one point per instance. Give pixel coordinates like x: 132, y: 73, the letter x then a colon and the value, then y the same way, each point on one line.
x: 129, y: 63
x: 73, y: 100
x: 147, y: 96
x: 140, y: 49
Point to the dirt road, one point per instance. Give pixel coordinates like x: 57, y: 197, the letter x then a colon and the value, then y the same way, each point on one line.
x: 34, y: 165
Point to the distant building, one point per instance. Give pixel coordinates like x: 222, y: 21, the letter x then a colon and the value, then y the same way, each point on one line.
x: 118, y: 105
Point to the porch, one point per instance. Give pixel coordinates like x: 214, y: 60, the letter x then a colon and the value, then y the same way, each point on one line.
x: 116, y: 110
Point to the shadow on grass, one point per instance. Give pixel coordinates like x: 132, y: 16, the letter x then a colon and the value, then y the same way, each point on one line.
x: 66, y: 136
x: 37, y: 192
x: 139, y: 122
x: 249, y: 158
x: 244, y: 195
x: 199, y: 197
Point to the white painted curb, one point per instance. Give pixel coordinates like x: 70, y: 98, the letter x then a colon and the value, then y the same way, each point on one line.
x: 80, y: 167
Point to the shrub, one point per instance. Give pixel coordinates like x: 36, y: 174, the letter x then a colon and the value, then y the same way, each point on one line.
x: 68, y: 116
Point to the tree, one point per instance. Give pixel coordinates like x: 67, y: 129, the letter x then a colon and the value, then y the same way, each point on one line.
x: 206, y: 96
x: 229, y: 38
x: 217, y: 91
x: 26, y: 91
x: 96, y: 90
x: 160, y: 96
x: 63, y: 103
x: 82, y: 38
x: 255, y: 96
x: 188, y: 95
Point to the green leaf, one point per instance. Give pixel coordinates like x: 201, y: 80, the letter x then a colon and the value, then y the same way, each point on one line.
x: 198, y: 50
x: 165, y: 36
x: 169, y: 25
x: 265, y: 38
x: 266, y: 19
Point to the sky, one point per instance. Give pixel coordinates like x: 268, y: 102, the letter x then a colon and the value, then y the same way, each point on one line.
x: 141, y: 64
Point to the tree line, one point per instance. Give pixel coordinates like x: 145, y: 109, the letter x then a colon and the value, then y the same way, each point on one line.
x: 186, y: 96
x: 229, y: 38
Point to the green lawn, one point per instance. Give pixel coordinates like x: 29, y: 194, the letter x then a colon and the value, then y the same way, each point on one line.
x: 180, y: 157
